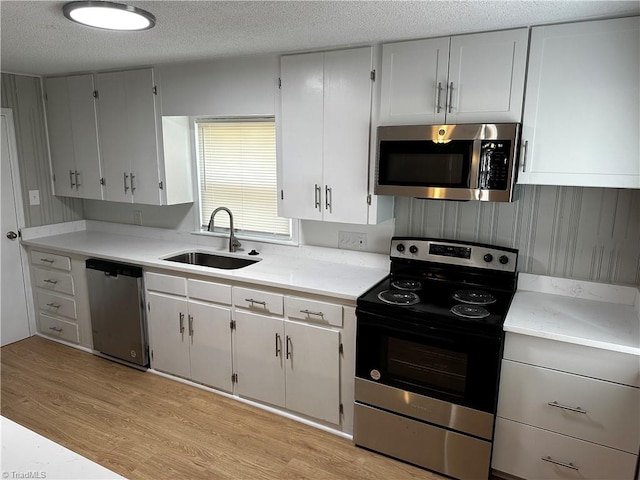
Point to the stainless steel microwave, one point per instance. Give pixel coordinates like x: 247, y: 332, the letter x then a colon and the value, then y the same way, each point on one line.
x: 448, y: 162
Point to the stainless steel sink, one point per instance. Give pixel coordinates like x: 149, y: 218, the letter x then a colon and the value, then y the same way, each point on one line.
x: 212, y: 260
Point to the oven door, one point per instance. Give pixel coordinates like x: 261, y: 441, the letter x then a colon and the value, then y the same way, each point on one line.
x: 446, y: 364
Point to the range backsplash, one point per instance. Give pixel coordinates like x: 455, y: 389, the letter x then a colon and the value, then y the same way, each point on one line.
x: 571, y: 232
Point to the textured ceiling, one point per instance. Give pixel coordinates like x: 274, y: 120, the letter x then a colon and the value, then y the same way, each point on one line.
x: 37, y: 39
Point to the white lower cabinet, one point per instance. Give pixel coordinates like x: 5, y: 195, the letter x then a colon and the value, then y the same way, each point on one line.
x: 559, y: 417
x: 190, y: 338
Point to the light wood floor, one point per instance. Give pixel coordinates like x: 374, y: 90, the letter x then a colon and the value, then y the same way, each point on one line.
x: 144, y: 426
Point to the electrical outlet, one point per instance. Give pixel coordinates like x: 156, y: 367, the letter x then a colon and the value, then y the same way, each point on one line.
x: 137, y: 217
x: 352, y: 240
x: 34, y: 197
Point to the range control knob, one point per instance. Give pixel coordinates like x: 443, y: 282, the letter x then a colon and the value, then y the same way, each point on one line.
x: 488, y: 257
x: 503, y: 259
x: 400, y: 248
x: 413, y: 249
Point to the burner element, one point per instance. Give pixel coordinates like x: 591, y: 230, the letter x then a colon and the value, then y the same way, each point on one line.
x: 407, y: 285
x: 474, y: 297
x: 469, y: 311
x: 399, y: 297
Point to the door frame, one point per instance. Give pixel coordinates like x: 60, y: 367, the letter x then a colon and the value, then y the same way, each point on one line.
x: 20, y: 216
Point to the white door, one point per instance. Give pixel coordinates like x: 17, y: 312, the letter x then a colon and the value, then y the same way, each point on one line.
x: 210, y: 345
x: 312, y: 362
x: 260, y: 353
x: 302, y: 132
x: 169, y: 334
x: 13, y: 303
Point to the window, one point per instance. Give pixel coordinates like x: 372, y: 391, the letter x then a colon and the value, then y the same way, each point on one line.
x: 237, y: 170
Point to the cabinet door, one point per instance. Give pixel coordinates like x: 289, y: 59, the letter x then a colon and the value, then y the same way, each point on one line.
x: 313, y: 371
x: 85, y: 136
x: 142, y: 139
x: 414, y: 78
x: 347, y: 120
x: 301, y: 92
x: 486, y: 77
x: 60, y: 136
x: 260, y: 357
x: 169, y: 334
x: 210, y: 345
x: 114, y: 130
x: 582, y: 108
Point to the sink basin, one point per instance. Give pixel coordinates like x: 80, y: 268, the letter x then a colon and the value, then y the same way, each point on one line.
x: 212, y: 260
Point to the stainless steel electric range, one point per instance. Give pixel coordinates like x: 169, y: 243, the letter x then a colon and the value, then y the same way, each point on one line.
x: 428, y: 352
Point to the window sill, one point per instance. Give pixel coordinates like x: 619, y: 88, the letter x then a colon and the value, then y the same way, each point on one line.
x: 246, y: 238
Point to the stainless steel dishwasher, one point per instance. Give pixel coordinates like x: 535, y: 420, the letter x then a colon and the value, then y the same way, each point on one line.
x: 118, y: 318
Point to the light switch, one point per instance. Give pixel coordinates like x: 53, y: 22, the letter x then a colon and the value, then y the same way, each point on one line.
x: 34, y: 197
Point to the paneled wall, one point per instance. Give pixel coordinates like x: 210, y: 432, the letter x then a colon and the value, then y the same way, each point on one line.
x: 571, y: 232
x: 23, y: 95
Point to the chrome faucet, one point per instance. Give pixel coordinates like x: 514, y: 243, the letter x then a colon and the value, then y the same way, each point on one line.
x: 233, y: 241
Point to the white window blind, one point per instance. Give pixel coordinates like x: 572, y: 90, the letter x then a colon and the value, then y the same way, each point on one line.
x: 237, y: 167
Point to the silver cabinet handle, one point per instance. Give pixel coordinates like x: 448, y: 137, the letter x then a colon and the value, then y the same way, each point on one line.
x: 77, y: 175
x: 561, y: 464
x: 565, y: 407
x: 450, y: 96
x: 278, y: 345
x: 71, y: 179
x: 318, y: 193
x: 257, y: 302
x: 328, y: 198
x: 191, y: 326
x: 181, y: 320
x: 524, y: 155
x: 309, y: 312
x: 438, y: 93
x: 133, y: 186
x: 289, y: 352
x: 124, y: 180
x: 53, y: 305
x: 52, y: 282
x: 56, y: 329
x: 47, y: 260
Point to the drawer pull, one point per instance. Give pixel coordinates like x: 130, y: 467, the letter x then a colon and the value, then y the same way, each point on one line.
x: 309, y: 312
x: 565, y: 407
x: 47, y: 260
x: 560, y: 464
x: 257, y: 302
x: 52, y: 282
x: 53, y: 305
x: 56, y: 329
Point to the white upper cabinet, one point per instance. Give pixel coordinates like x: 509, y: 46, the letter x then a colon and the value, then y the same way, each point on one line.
x: 324, y: 128
x: 581, y: 112
x: 73, y: 136
x: 462, y: 79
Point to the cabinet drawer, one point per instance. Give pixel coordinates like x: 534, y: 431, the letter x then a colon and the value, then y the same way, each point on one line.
x: 313, y: 311
x: 50, y: 260
x: 166, y: 283
x: 56, y: 327
x: 55, y: 281
x: 260, y: 301
x: 569, y: 357
x: 520, y: 449
x: 57, y: 305
x: 610, y: 413
x: 209, y: 291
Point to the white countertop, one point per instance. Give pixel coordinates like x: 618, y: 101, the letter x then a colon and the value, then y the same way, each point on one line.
x: 584, y: 313
x: 322, y: 271
x: 26, y: 454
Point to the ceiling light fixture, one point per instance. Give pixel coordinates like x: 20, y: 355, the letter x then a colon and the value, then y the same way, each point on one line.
x: 109, y: 15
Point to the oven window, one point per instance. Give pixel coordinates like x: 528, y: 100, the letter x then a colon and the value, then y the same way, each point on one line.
x: 428, y: 366
x: 425, y: 163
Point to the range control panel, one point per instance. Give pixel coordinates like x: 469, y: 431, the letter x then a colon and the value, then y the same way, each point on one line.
x: 454, y: 253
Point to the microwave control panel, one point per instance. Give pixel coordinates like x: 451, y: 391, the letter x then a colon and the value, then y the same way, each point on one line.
x: 494, y: 164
